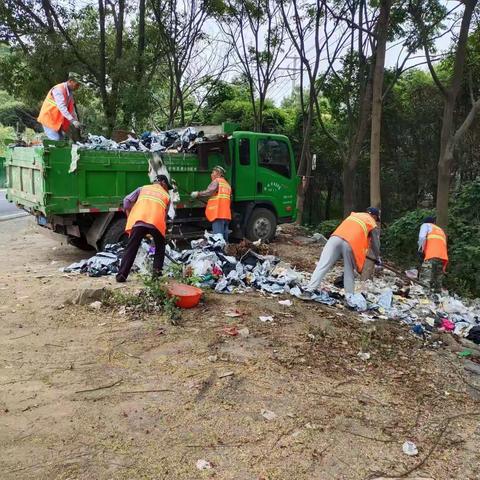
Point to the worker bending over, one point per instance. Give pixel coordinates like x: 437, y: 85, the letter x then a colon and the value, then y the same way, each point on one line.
x: 58, y: 108
x: 146, y: 210
x: 433, y: 253
x: 351, y: 240
x: 218, y: 209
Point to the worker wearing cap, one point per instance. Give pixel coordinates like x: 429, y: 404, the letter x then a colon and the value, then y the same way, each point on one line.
x: 218, y: 209
x: 351, y: 240
x: 433, y: 253
x: 146, y: 210
x: 58, y: 108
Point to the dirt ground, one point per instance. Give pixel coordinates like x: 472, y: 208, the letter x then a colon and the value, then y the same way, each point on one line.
x: 99, y: 395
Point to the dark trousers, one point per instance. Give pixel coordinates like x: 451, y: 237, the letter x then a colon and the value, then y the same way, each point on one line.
x: 136, y: 236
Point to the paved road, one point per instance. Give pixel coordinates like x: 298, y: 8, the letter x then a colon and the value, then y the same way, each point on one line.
x: 7, y: 208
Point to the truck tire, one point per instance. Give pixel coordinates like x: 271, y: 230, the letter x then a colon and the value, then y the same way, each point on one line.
x: 80, y: 243
x: 262, y: 225
x: 115, y: 233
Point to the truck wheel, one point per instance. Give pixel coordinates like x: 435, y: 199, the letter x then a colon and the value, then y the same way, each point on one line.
x: 261, y: 225
x: 80, y: 243
x: 115, y: 233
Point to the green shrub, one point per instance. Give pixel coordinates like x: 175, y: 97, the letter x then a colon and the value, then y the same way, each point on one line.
x: 399, y: 240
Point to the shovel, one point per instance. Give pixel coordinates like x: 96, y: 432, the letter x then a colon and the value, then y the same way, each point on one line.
x: 399, y: 273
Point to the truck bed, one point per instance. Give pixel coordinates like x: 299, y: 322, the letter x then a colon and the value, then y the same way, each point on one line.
x: 39, y: 180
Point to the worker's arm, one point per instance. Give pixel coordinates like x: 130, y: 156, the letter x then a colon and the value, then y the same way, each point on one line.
x: 129, y: 200
x: 60, y: 101
x: 425, y: 229
x: 210, y: 191
x: 375, y: 242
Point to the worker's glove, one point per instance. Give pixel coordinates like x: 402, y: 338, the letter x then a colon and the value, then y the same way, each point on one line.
x: 194, y: 195
x: 378, y: 262
x: 76, y: 124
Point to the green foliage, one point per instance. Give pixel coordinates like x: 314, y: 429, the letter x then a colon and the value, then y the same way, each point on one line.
x: 399, y: 240
x: 327, y: 227
x: 153, y: 298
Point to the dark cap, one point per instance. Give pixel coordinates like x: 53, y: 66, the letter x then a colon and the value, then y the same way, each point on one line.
x: 429, y: 220
x: 163, y: 178
x: 373, y: 211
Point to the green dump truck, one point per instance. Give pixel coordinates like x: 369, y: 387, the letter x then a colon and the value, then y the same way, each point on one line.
x: 85, y: 204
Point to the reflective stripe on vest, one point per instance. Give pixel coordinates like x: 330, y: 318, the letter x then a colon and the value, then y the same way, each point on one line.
x: 50, y: 116
x: 355, y: 230
x: 218, y: 206
x: 150, y: 207
x: 436, y: 245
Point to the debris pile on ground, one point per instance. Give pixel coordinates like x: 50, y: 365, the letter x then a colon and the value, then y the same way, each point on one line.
x: 103, y: 263
x: 240, y: 269
x: 171, y: 140
x: 238, y: 250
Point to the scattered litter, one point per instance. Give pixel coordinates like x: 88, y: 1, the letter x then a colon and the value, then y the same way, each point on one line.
x: 212, y: 358
x: 474, y: 335
x: 244, y: 332
x: 364, y: 355
x: 102, y: 324
x: 409, y: 448
x: 241, y: 267
x: 96, y: 305
x: 412, y: 274
x: 418, y: 329
x: 204, y: 465
x: 268, y: 414
x: 226, y: 374
x: 231, y: 331
x: 447, y: 325
x: 465, y: 353
x: 386, y: 298
x: 357, y: 302
x: 318, y: 237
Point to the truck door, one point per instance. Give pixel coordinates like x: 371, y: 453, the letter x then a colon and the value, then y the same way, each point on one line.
x: 245, y: 165
x: 275, y: 181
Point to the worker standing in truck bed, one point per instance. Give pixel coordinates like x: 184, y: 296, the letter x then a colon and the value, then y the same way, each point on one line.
x: 58, y: 108
x: 218, y: 209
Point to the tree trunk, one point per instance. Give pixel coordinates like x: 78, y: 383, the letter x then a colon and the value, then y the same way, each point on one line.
x: 141, y: 40
x: 447, y: 141
x: 375, y: 139
x: 350, y: 163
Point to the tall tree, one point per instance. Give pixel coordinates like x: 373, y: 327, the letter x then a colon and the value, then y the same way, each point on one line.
x: 450, y: 134
x: 377, y: 97
x: 256, y: 32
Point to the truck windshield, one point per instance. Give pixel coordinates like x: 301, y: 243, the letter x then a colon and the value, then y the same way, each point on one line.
x: 274, y: 155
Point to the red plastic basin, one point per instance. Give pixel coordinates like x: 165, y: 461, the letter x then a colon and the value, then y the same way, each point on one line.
x: 187, y: 296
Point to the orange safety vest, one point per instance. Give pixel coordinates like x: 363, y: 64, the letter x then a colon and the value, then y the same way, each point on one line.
x: 50, y: 115
x: 355, y: 230
x: 150, y: 207
x: 436, y: 245
x: 218, y: 206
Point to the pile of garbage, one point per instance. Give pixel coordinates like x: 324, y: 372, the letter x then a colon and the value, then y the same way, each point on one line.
x: 168, y: 141
x: 387, y: 297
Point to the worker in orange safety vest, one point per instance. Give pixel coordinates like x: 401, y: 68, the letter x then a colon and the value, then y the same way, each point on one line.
x: 146, y: 209
x: 433, y: 253
x: 351, y: 240
x: 58, y: 108
x: 218, y: 209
